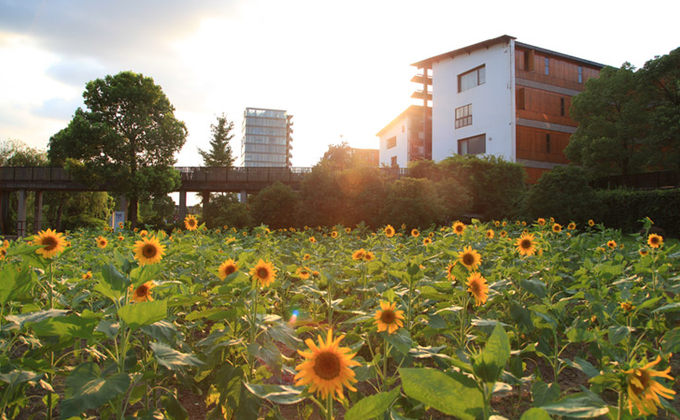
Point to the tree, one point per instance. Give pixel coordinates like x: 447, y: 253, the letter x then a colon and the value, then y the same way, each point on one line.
x: 414, y: 202
x: 562, y: 193
x: 126, y: 140
x: 275, y: 206
x: 613, y: 123
x: 337, y: 157
x: 219, y: 154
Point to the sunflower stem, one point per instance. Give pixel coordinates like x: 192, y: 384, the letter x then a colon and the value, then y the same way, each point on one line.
x: 385, y: 357
x: 620, y: 406
x: 51, y: 292
x: 329, y: 407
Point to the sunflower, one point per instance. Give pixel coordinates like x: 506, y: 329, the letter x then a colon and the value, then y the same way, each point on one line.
x: 458, y: 227
x: 643, y: 252
x: 503, y: 234
x: 496, y: 223
x: 525, y: 244
x: 541, y: 221
x: 427, y: 241
x: 5, y: 244
x: 334, y: 234
x: 3, y: 253
x: 470, y: 258
x: 359, y: 254
x: 87, y: 276
x: 591, y: 222
x: 52, y: 243
x: 143, y: 233
x: 121, y: 238
x: 477, y: 286
x: 643, y: 391
x: 229, y: 240
x: 571, y: 226
x: 149, y: 251
x: 449, y: 272
x: 142, y: 293
x: 504, y: 224
x: 264, y: 273
x: 490, y: 234
x: 190, y: 222
x: 626, y: 306
x: 303, y: 273
x: 611, y: 244
x: 415, y: 233
x: 226, y: 268
x: 312, y: 239
x: 348, y: 230
x: 388, y: 318
x: 654, y: 240
x: 369, y: 256
x: 101, y: 242
x: 326, y: 367
x: 389, y: 231
x: 557, y: 228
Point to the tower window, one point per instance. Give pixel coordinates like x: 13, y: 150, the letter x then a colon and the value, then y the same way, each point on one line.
x: 580, y: 74
x: 547, y: 143
x: 562, y: 107
x: 464, y: 116
x: 520, y: 98
x: 547, y: 65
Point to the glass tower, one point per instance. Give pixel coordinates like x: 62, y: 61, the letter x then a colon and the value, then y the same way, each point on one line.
x: 266, y: 138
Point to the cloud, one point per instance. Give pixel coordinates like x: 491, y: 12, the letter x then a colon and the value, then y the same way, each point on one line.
x: 58, y: 108
x: 76, y: 72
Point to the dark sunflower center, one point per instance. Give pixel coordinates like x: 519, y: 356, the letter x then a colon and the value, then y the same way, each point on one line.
x: 50, y: 243
x: 643, y: 376
x: 262, y: 273
x: 475, y: 287
x: 468, y: 258
x: 149, y: 251
x: 142, y: 290
x: 192, y: 222
x: 388, y: 316
x: 229, y: 269
x: 655, y: 240
x: 327, y: 365
x: 459, y: 228
x: 525, y: 244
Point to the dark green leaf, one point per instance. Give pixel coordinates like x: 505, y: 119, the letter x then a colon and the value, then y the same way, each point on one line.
x: 279, y: 394
x: 86, y: 389
x: 581, y: 405
x: 137, y: 315
x: 173, y: 359
x: 535, y: 414
x: 372, y: 406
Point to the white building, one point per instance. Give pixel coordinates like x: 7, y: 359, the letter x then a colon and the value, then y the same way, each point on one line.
x: 498, y: 97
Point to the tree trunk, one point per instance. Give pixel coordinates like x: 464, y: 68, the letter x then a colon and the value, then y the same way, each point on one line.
x: 132, y: 211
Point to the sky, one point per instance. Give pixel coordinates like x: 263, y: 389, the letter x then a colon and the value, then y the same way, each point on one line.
x: 341, y: 68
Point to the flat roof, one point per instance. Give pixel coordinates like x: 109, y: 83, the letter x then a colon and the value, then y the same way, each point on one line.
x: 493, y: 41
x: 410, y: 110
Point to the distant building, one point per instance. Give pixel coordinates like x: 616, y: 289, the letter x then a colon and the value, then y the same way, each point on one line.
x: 498, y: 97
x: 407, y: 138
x: 366, y: 157
x: 267, y: 137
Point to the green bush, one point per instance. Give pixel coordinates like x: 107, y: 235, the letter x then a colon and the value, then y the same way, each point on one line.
x: 623, y: 209
x: 275, y: 206
x: 414, y: 202
x: 226, y: 210
x: 564, y: 194
x: 497, y: 186
x: 364, y: 191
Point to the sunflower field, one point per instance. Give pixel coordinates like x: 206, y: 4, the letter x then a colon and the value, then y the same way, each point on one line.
x: 506, y: 319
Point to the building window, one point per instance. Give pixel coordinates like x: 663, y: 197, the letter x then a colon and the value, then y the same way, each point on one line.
x: 472, y: 78
x: 547, y: 143
x: 472, y: 145
x: 529, y: 60
x: 580, y: 74
x: 562, y: 107
x: 393, y: 161
x: 520, y: 98
x: 391, y: 142
x: 547, y: 66
x: 464, y: 116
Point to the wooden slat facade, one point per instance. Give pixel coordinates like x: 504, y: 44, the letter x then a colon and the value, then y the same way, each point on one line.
x: 545, y: 99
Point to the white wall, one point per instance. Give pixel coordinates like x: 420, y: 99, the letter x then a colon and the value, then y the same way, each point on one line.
x: 492, y: 102
x: 400, y: 150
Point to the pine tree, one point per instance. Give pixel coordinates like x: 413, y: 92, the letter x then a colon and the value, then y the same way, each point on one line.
x: 220, y: 150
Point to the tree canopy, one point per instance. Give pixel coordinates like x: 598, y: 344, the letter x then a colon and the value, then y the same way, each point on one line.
x: 629, y: 120
x: 126, y: 139
x: 219, y: 153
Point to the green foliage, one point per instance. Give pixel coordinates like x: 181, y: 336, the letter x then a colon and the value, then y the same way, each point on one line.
x: 623, y: 209
x: 127, y: 139
x: 275, y: 206
x: 16, y: 153
x: 564, y: 194
x: 364, y: 191
x: 414, y: 202
x: 496, y: 186
x: 219, y: 154
x: 226, y: 210
x: 158, y: 213
x: 322, y: 202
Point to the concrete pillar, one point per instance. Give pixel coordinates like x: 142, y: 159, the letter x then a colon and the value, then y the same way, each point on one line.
x: 243, y: 197
x: 21, y: 213
x: 182, y: 204
x: 206, y: 199
x: 37, y: 211
x: 4, y: 212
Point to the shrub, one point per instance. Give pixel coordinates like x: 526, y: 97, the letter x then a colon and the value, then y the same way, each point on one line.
x: 364, y: 192
x: 225, y: 209
x: 564, y: 194
x: 322, y: 201
x: 414, y: 202
x: 623, y: 209
x: 275, y: 206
